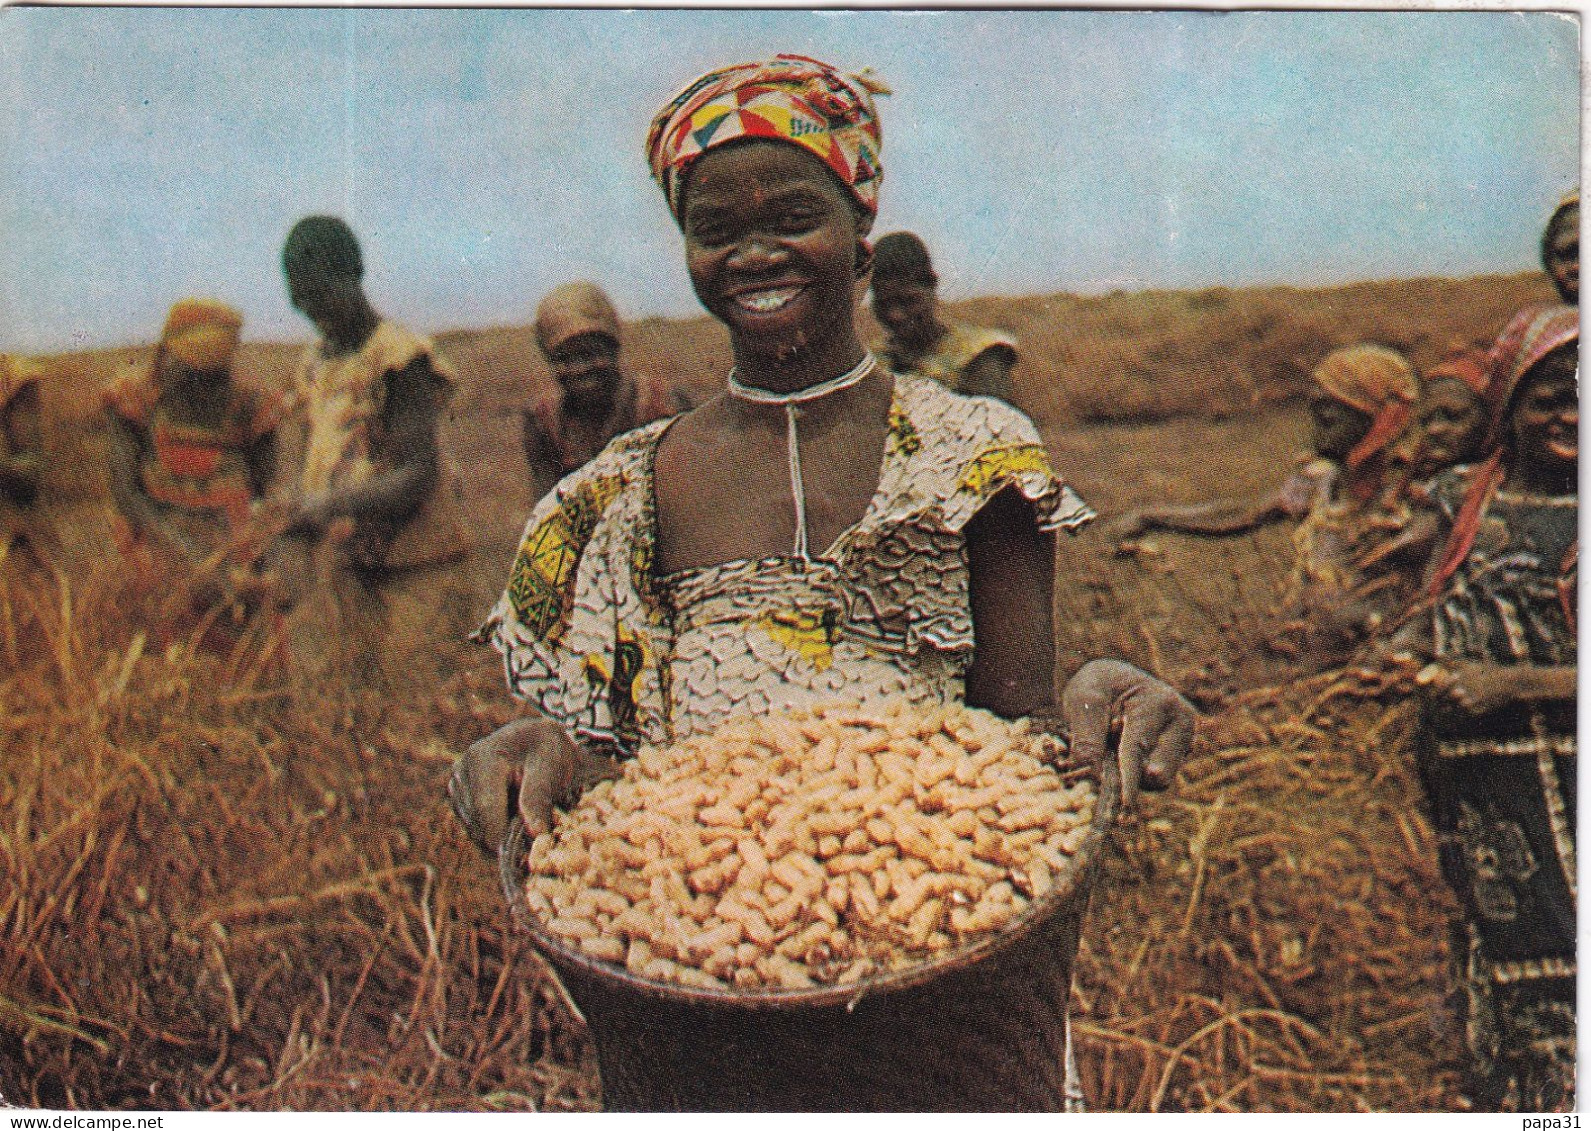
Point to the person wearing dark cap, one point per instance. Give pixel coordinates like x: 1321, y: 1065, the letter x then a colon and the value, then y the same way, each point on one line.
x: 922, y: 341
x: 379, y: 503
x: 595, y: 400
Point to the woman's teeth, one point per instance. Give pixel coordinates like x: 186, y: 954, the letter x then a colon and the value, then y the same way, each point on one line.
x: 766, y: 302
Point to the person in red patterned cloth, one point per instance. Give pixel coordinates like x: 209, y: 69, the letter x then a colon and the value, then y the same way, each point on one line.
x: 192, y: 454
x: 595, y: 400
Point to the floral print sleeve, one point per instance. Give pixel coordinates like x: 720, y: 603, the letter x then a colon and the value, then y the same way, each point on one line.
x: 575, y: 638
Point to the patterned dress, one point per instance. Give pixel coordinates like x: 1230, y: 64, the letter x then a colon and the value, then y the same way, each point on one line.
x: 947, y: 361
x: 197, y: 474
x: 201, y: 479
x: 1502, y: 789
x: 597, y: 641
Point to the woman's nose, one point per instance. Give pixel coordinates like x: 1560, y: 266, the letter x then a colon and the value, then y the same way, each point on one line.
x: 756, y: 251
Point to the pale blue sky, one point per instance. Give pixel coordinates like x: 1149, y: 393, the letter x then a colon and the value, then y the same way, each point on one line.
x: 484, y: 156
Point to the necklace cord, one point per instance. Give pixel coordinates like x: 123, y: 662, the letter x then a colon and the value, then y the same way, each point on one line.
x: 789, y: 402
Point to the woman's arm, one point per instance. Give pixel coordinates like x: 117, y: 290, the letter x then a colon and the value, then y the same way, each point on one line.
x: 1224, y: 516
x: 124, y: 448
x: 543, y: 466
x: 413, y: 410
x: 1011, y: 563
x: 261, y: 459
x: 1477, y: 688
x: 524, y: 767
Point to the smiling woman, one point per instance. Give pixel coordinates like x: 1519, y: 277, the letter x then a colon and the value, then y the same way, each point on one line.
x: 1499, y: 763
x: 821, y: 531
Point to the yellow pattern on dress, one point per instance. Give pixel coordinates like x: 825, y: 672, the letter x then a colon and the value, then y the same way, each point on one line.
x: 544, y: 568
x: 999, y: 465
x: 809, y: 635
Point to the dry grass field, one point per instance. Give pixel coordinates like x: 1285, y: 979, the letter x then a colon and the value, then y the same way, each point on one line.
x: 218, y: 895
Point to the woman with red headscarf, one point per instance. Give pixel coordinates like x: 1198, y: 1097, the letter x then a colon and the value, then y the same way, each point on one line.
x: 1341, y: 497
x: 1499, y: 760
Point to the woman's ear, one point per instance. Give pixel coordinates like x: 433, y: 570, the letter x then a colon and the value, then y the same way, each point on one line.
x: 864, y: 257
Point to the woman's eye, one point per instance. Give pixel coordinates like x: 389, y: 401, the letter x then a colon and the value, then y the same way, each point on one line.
x: 795, y: 221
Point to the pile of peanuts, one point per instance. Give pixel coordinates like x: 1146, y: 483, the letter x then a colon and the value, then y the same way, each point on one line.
x: 811, y: 848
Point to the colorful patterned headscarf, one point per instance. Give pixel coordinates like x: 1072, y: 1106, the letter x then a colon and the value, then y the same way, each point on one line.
x: 787, y: 98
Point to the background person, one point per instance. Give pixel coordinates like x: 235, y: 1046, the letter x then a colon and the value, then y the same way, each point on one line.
x: 1343, y: 498
x: 922, y: 340
x: 1500, y: 760
x: 379, y: 504
x: 1560, y: 248
x: 192, y: 454
x: 596, y: 399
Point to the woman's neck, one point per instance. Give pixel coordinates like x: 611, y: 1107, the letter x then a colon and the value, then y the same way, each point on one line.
x: 801, y: 366
x: 355, y: 331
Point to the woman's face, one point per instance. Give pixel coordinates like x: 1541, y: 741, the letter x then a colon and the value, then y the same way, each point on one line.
x: 320, y: 296
x: 198, y: 386
x: 587, y: 368
x: 908, y: 310
x: 1563, y: 253
x: 771, y: 243
x: 1545, y: 420
x: 1452, y: 419
x: 1338, y: 427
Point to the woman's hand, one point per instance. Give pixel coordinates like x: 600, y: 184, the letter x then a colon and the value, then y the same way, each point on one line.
x: 1156, y: 723
x: 525, y: 767
x: 311, y: 517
